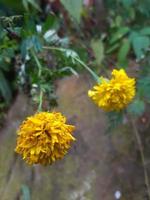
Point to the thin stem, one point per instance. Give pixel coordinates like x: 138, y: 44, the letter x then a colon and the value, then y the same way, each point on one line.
x: 139, y: 142
x: 37, y: 62
x: 97, y: 79
x: 39, y: 75
x: 95, y: 76
x: 54, y: 48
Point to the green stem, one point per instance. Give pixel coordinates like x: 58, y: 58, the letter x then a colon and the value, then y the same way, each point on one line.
x: 39, y: 75
x: 37, y: 62
x: 95, y: 76
x: 139, y: 142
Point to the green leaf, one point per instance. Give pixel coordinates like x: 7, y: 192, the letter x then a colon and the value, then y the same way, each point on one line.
x: 2, y: 33
x: 32, y: 2
x: 25, y: 4
x: 74, y: 7
x: 123, y: 52
x: 36, y: 43
x: 51, y: 20
x: 25, y: 192
x: 30, y: 42
x: 137, y: 107
x: 4, y: 88
x: 119, y: 34
x: 113, y: 48
x: 140, y: 46
x: 145, y: 31
x: 98, y: 49
x: 144, y: 87
x: 9, y: 5
x: 118, y: 21
x: 127, y: 3
x: 114, y: 120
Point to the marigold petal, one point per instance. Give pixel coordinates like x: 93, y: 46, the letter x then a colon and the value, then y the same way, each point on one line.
x: 44, y: 138
x: 115, y: 94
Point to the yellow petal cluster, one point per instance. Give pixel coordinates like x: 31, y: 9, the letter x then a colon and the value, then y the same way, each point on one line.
x: 114, y: 94
x: 44, y: 138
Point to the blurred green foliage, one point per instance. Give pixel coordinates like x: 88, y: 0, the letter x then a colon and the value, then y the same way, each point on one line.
x: 129, y: 29
x: 28, y: 25
x: 74, y: 8
x: 42, y: 41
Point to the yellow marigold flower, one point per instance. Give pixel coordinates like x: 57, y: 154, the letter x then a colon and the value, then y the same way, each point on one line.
x: 44, y: 138
x: 114, y: 94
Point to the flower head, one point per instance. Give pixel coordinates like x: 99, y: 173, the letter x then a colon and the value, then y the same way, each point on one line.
x: 114, y: 94
x: 44, y: 138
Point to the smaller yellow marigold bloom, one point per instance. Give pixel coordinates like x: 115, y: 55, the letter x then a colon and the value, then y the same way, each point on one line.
x: 114, y: 94
x: 44, y: 138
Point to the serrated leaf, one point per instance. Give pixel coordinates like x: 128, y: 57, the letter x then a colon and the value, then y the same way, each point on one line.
x: 74, y: 7
x: 98, y: 49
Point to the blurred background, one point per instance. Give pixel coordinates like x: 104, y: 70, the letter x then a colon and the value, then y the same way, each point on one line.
x: 105, y: 162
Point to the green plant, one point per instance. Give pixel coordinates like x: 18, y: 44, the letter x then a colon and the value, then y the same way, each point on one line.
x: 39, y: 47
x: 129, y: 30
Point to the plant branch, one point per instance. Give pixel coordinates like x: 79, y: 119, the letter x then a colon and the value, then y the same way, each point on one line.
x: 77, y: 59
x: 37, y: 62
x: 39, y: 75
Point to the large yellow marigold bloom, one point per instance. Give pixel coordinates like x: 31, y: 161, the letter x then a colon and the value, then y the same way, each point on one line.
x: 114, y: 94
x: 44, y: 138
